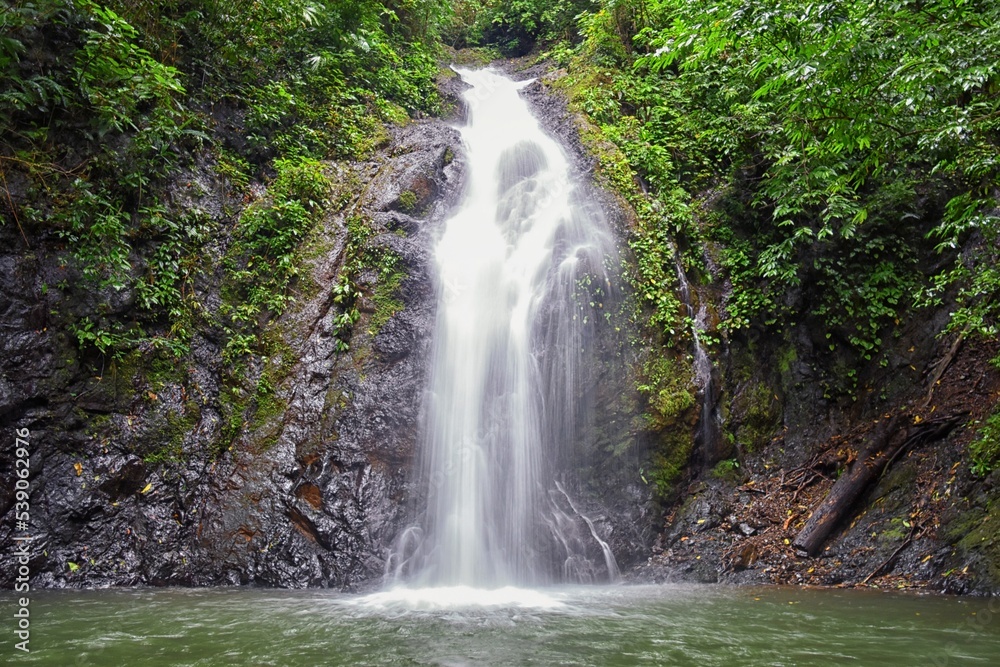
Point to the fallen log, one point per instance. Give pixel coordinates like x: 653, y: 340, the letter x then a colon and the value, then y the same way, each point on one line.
x: 889, y: 441
x: 850, y: 486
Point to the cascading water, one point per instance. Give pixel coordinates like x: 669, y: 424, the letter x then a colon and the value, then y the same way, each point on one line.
x: 509, y: 340
x: 709, y: 434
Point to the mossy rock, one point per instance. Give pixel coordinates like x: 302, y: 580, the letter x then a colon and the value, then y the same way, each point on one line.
x: 668, y: 462
x: 728, y: 470
x: 163, y: 441
x: 983, y: 543
x: 755, y: 415
x: 669, y: 389
x: 407, y: 201
x: 975, y: 533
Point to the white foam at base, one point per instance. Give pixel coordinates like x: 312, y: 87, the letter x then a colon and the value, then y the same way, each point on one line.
x: 457, y: 597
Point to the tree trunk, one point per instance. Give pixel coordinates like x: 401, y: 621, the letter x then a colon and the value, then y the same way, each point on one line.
x: 851, y: 485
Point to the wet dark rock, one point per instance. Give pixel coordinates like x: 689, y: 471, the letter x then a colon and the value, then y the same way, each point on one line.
x: 397, y: 338
x: 157, y: 471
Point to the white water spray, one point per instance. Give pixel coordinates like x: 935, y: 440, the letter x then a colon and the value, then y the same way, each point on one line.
x: 509, y: 340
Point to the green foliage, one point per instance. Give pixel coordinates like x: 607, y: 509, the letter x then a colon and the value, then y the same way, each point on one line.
x: 728, y: 470
x: 97, y: 228
x: 824, y: 148
x: 656, y: 277
x: 865, y: 101
x: 262, y: 259
x: 984, y: 451
x: 102, y: 103
x: 975, y: 274
x: 386, y: 297
x: 115, y: 75
x: 513, y: 26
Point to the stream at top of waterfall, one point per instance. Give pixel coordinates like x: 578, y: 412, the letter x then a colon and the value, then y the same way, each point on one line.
x: 578, y: 625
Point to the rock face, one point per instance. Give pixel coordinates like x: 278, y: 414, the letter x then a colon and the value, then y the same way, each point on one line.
x: 285, y: 471
x: 924, y: 523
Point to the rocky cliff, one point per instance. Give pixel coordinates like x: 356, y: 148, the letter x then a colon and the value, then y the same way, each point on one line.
x: 283, y: 470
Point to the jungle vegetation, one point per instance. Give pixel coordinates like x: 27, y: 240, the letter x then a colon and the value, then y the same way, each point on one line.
x: 834, y: 163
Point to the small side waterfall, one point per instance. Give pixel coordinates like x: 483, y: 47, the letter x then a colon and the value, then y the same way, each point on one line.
x: 510, y: 338
x: 709, y: 434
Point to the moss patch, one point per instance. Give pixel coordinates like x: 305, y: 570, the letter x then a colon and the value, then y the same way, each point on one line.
x: 668, y: 462
x: 175, y: 426
x: 786, y: 358
x: 408, y: 201
x: 982, y: 540
x: 728, y: 470
x: 669, y: 388
x: 386, y: 293
x: 756, y: 415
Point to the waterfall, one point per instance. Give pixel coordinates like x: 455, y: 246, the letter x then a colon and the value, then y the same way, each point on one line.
x: 709, y: 433
x: 517, y: 266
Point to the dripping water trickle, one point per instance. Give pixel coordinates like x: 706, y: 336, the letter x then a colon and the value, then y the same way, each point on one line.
x: 709, y: 432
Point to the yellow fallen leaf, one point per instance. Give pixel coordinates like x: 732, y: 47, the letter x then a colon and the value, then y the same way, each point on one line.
x: 147, y: 489
x: 701, y: 521
x: 926, y: 558
x: 78, y: 468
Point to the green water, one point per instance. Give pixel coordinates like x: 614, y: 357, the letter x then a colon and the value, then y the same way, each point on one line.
x: 641, y: 625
